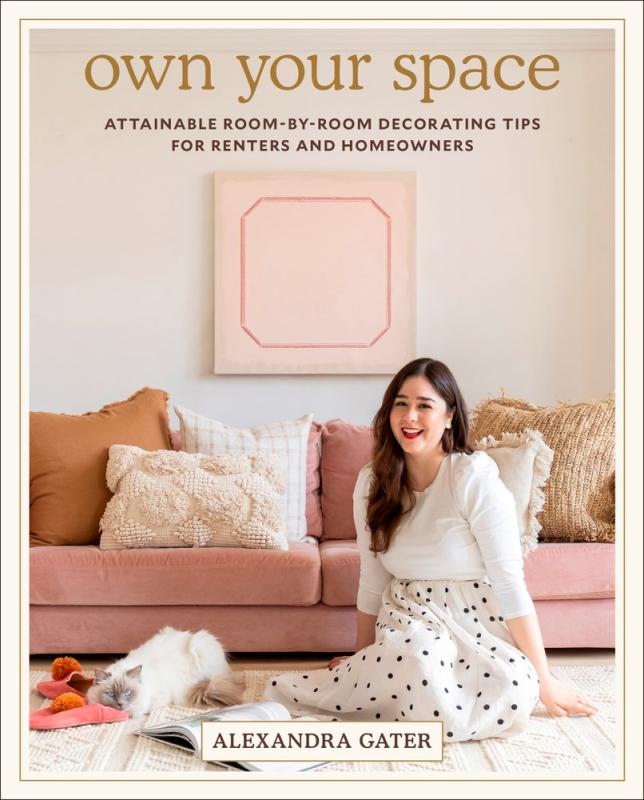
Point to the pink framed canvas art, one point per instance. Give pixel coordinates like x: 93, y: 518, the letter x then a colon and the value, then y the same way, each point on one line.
x: 314, y: 272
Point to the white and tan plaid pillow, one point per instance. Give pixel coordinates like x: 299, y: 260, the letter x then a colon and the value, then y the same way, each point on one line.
x: 168, y: 499
x: 286, y: 440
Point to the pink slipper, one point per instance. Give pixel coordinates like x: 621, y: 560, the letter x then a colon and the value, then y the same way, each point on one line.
x: 94, y: 713
x: 75, y: 682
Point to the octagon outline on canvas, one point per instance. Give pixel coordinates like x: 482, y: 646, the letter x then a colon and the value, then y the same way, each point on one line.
x: 378, y: 265
x: 314, y: 272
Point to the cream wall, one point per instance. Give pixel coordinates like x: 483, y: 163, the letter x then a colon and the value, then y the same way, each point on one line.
x: 515, y: 241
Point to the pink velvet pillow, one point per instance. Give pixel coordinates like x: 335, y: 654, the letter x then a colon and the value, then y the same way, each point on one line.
x: 313, y: 510
x: 346, y: 448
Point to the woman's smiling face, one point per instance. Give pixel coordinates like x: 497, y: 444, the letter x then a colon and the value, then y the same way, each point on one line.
x: 419, y: 416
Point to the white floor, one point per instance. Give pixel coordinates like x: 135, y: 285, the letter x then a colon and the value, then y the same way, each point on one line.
x: 314, y: 660
x: 286, y: 661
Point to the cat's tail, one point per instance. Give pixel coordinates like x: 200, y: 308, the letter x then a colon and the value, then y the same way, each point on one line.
x: 227, y: 689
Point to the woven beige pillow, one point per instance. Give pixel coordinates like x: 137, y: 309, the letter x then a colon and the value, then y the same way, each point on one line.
x: 524, y: 461
x: 164, y: 498
x: 579, y: 505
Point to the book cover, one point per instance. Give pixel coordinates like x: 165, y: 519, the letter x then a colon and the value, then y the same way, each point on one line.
x: 265, y: 218
x: 186, y: 734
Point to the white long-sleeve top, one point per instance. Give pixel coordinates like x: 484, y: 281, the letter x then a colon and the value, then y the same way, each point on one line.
x: 464, y: 527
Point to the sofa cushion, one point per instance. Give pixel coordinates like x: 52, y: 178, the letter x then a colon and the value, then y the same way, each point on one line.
x: 313, y: 455
x: 340, y: 563
x: 571, y: 571
x: 68, y: 457
x: 346, y: 448
x: 86, y: 576
x: 554, y: 571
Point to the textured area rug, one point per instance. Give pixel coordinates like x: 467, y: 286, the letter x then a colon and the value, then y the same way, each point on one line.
x: 568, y: 746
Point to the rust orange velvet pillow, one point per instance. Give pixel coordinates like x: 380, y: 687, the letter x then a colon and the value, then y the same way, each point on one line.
x: 68, y: 456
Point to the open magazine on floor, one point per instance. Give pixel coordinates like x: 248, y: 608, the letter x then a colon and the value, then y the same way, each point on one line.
x: 186, y: 734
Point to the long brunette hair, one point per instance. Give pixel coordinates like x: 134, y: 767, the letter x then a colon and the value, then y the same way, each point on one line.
x: 391, y: 495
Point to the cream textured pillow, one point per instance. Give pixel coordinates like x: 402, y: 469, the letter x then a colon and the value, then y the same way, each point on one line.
x: 286, y: 440
x: 524, y: 461
x: 579, y: 505
x: 168, y: 499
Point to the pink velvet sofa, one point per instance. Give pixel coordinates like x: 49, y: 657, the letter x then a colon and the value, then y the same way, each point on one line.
x: 86, y: 600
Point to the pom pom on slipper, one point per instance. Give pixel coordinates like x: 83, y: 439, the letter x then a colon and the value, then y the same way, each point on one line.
x: 61, y: 667
x: 67, y: 700
x: 67, y: 677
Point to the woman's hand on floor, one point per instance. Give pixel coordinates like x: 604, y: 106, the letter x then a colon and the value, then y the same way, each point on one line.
x: 337, y: 660
x: 562, y: 700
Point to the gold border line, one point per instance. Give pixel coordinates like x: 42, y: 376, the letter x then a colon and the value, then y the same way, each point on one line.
x: 325, y: 19
x: 226, y: 776
x: 623, y: 398
x: 20, y: 418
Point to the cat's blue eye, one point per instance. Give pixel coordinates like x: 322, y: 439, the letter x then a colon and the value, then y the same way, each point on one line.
x: 128, y: 693
x: 109, y: 694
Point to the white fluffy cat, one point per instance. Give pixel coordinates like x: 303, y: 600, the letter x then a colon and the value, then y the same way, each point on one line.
x: 172, y: 668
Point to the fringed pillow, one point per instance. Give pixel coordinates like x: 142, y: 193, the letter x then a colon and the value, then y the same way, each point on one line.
x: 579, y: 497
x: 168, y: 499
x: 524, y: 461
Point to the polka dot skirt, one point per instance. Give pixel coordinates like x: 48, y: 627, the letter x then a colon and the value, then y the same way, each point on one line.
x: 442, y: 652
